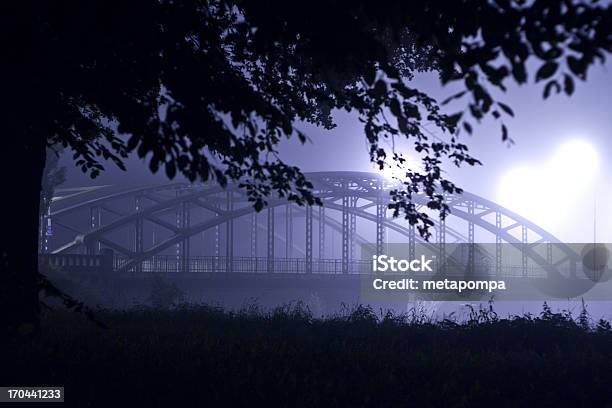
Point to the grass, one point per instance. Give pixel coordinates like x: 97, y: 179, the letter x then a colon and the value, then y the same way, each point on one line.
x: 203, y: 356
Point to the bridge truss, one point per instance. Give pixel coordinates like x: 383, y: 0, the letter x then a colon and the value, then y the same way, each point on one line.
x: 150, y: 228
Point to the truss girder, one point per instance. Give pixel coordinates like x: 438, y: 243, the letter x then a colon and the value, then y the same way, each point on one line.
x: 340, y: 191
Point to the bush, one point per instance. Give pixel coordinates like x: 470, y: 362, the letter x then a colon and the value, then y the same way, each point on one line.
x: 201, y: 355
x: 164, y: 295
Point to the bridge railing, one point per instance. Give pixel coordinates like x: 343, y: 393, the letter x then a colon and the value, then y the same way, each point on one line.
x: 107, y: 262
x: 77, y: 262
x: 221, y: 264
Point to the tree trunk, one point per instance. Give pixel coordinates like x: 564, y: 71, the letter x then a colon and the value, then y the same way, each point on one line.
x: 22, y: 160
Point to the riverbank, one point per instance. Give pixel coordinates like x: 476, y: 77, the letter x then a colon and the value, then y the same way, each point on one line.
x: 199, y: 355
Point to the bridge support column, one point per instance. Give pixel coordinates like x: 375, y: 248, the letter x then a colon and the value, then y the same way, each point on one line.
x: 381, y: 211
x: 217, y: 243
x: 95, y: 221
x: 138, y: 233
x: 442, y: 243
x: 498, y: 245
x: 254, y: 235
x: 471, y: 236
x: 549, y: 260
x: 185, y: 223
x: 308, y: 239
x: 179, y: 225
x: 523, y: 251
x: 254, y: 227
x: 321, y: 232
x: 345, y: 234
x: 288, y: 231
x: 353, y: 229
x: 42, y: 230
x: 270, y: 259
x: 138, y: 241
x: 229, y: 235
x: 411, y: 242
x: 321, y: 237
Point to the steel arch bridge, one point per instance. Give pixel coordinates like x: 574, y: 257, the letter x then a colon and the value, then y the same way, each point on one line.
x: 142, y: 225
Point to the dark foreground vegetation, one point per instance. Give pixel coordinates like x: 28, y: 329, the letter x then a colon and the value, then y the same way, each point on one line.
x: 200, y: 355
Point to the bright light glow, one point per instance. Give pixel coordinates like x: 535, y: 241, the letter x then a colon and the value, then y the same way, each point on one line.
x: 394, y: 173
x: 547, y: 194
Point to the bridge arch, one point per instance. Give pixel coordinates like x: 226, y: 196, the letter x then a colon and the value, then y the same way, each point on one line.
x: 340, y: 191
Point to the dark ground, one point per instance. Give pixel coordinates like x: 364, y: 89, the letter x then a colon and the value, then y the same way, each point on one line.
x: 202, y: 356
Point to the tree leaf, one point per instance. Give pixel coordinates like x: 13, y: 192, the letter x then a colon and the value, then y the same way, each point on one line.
x: 519, y: 73
x: 170, y: 169
x: 395, y: 108
x: 506, y: 108
x: 547, y: 70
x: 568, y: 84
x: 370, y: 75
x: 455, y: 96
x: 467, y: 127
x: 380, y: 89
x: 549, y: 86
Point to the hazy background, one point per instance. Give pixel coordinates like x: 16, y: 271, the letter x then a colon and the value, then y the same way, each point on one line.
x: 553, y: 174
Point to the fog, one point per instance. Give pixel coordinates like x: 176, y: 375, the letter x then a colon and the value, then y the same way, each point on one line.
x: 575, y: 212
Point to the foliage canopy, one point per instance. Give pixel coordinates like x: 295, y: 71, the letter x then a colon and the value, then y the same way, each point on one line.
x: 209, y: 88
